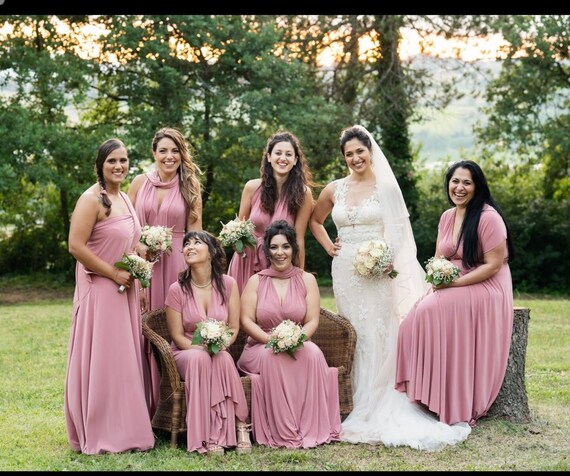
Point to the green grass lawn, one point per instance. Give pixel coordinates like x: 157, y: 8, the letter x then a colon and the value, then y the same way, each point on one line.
x: 33, y: 352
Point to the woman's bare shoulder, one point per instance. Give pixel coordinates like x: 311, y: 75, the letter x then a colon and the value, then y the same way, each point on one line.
x: 253, y: 184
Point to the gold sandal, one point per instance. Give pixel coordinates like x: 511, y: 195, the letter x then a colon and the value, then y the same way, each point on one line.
x: 215, y: 449
x: 243, y: 441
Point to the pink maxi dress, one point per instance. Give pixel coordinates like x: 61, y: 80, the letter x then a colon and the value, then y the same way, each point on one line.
x: 240, y: 268
x: 104, y: 403
x: 294, y: 403
x: 454, y: 344
x: 214, y: 393
x: 172, y: 213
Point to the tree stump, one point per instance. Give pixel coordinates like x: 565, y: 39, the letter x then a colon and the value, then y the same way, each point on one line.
x: 512, y: 402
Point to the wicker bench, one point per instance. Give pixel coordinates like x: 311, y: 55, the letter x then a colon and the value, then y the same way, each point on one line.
x: 335, y: 336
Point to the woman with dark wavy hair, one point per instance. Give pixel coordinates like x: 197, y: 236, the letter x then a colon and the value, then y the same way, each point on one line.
x: 284, y: 192
x: 454, y: 344
x: 215, y: 400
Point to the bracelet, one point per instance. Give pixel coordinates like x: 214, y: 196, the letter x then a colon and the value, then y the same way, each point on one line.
x: 116, y: 274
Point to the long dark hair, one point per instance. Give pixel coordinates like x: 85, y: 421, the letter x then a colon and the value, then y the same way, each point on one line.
x: 281, y: 227
x: 218, y: 261
x: 472, y: 253
x: 102, y: 153
x: 299, y: 177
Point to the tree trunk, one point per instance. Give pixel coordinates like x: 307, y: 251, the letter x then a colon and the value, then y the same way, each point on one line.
x: 394, y: 110
x: 512, y: 402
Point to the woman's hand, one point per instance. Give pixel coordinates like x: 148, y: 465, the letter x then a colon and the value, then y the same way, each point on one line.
x: 143, y: 300
x: 438, y: 287
x: 335, y: 248
x: 122, y: 277
x: 142, y: 250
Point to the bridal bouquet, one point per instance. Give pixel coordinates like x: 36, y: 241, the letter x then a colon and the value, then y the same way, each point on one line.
x: 213, y: 335
x: 373, y: 259
x: 158, y: 239
x: 140, y: 269
x: 286, y: 337
x: 440, y: 270
x: 238, y: 233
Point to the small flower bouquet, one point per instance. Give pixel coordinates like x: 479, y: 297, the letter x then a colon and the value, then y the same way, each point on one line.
x: 440, y: 270
x: 286, y: 337
x: 213, y: 335
x: 239, y: 234
x: 140, y: 269
x: 158, y: 239
x: 373, y: 259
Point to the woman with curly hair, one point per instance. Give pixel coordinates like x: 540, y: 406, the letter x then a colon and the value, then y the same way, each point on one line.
x: 283, y: 192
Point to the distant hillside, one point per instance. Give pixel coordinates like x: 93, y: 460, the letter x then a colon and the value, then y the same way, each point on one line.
x: 444, y: 134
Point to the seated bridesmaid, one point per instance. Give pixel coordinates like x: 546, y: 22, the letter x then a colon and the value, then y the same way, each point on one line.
x: 215, y: 399
x: 294, y: 400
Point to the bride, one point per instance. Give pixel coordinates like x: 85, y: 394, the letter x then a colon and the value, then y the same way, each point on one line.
x: 368, y: 205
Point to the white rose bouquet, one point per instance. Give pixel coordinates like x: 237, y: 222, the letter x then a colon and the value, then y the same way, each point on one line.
x: 440, y: 270
x: 214, y: 335
x: 158, y: 239
x: 239, y: 234
x: 286, y: 337
x: 140, y: 268
x: 373, y: 259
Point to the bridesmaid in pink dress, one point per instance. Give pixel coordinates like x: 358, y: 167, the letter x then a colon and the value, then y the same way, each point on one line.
x: 167, y: 196
x: 284, y: 192
x: 215, y: 400
x: 105, y: 408
x: 454, y: 344
x: 294, y: 402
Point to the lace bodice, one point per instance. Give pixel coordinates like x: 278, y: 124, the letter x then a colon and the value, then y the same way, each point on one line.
x: 357, y: 223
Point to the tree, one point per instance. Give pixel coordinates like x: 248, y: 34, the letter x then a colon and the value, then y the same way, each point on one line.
x: 374, y: 85
x: 42, y: 149
x: 528, y: 115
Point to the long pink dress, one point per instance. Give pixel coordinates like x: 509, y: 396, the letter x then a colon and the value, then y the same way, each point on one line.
x: 214, y: 393
x: 172, y: 213
x: 454, y: 344
x: 240, y: 268
x: 104, y: 403
x: 294, y: 403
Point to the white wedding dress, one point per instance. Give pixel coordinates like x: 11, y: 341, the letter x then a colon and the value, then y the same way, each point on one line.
x: 381, y: 414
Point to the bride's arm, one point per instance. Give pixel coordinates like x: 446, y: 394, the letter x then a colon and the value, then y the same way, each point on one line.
x: 322, y: 210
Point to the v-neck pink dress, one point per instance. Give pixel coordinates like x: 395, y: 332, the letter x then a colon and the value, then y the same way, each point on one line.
x: 454, y: 344
x: 214, y: 393
x: 242, y: 268
x: 105, y: 407
x: 294, y: 403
